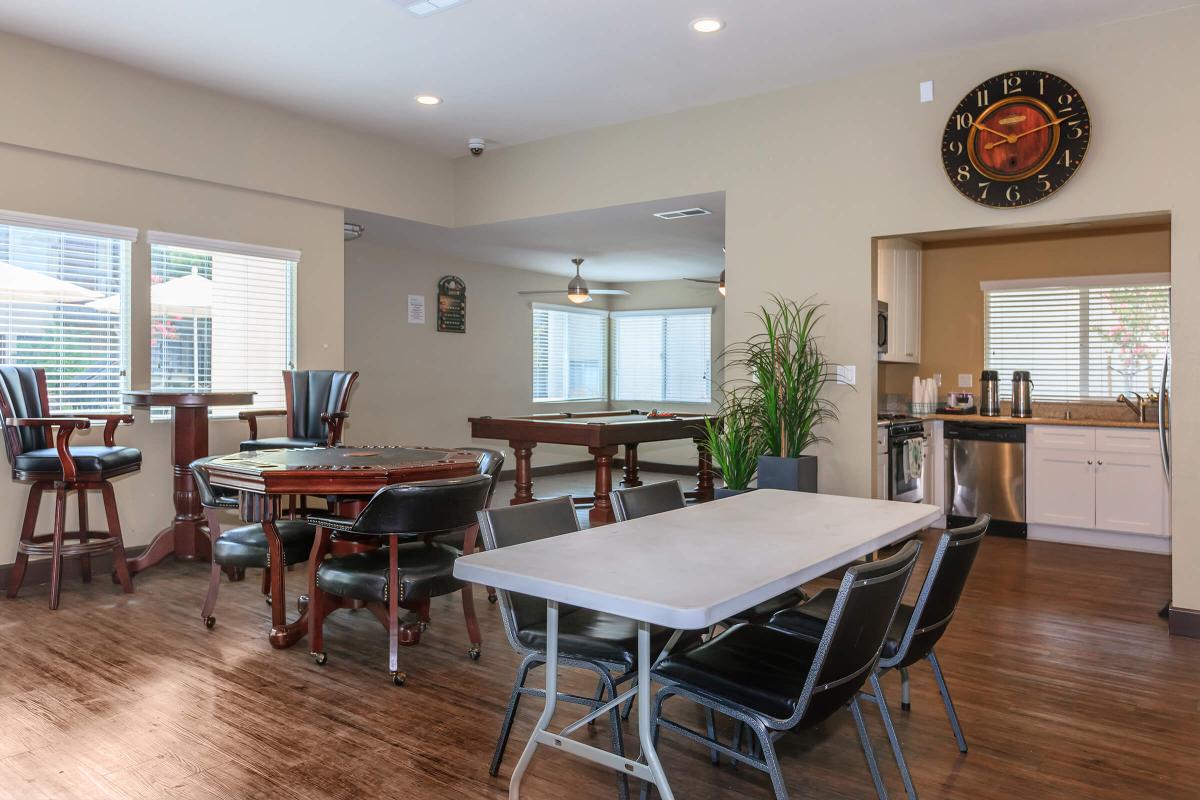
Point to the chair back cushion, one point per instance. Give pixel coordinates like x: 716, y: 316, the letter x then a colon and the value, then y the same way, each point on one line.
x: 22, y: 394
x: 642, y: 501
x: 311, y: 393
x: 490, y: 464
x: 862, y: 613
x: 424, y: 508
x: 941, y: 590
x: 529, y: 522
x: 210, y: 497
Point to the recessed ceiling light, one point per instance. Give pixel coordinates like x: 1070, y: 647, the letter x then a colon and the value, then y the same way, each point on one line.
x: 707, y: 25
x: 428, y: 99
x: 423, y: 8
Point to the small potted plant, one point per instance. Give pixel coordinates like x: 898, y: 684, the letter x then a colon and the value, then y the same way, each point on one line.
x: 732, y: 441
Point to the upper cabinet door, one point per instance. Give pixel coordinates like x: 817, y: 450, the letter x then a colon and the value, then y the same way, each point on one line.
x: 899, y: 285
x: 912, y: 317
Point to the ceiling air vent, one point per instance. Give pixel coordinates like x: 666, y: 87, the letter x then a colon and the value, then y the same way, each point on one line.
x: 683, y: 212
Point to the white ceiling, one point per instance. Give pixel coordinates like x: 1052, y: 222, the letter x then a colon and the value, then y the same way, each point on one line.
x: 620, y: 244
x: 519, y: 70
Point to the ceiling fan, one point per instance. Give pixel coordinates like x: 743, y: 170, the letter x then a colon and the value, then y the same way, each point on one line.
x: 577, y: 289
x: 720, y: 283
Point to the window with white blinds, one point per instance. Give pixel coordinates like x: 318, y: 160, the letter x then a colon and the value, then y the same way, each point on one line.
x: 222, y: 317
x: 662, y: 356
x: 569, y: 353
x: 64, y: 306
x: 1081, y: 339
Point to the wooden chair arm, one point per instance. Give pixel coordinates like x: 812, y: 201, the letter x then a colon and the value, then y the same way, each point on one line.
x: 111, y: 421
x: 66, y: 426
x: 333, y: 422
x: 253, y: 414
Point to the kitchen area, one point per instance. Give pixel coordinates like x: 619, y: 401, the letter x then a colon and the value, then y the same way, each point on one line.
x: 1025, y: 374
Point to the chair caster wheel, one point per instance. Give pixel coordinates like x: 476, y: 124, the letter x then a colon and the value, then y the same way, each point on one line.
x: 398, y: 678
x: 492, y: 599
x: 474, y: 653
x: 319, y: 658
x: 906, y: 706
x: 210, y: 621
x: 268, y: 599
x: 422, y: 626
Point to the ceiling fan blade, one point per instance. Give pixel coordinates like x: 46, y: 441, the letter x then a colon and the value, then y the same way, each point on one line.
x: 542, y: 291
x: 609, y: 291
x: 701, y: 280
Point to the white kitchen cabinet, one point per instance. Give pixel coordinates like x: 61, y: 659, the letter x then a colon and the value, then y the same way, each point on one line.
x: 881, y: 462
x: 899, y: 285
x: 1130, y: 493
x: 1061, y: 487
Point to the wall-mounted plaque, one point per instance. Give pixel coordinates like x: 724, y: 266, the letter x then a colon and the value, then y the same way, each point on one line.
x: 452, y: 305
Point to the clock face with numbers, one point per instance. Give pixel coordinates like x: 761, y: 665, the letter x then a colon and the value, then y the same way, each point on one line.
x: 1016, y: 138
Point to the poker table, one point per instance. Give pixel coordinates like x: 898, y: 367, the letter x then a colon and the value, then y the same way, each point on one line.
x: 602, y: 433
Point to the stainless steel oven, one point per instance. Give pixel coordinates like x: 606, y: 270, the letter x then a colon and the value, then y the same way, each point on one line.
x: 908, y: 451
x: 881, y: 327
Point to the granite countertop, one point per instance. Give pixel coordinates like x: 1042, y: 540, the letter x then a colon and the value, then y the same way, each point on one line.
x: 1077, y: 421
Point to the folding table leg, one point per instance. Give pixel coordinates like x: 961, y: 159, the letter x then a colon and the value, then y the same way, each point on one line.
x: 646, y: 712
x: 543, y: 723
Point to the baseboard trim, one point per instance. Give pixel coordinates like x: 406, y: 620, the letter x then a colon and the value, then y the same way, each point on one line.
x: 38, y: 570
x: 1184, y: 622
x: 1112, y: 540
x: 661, y: 466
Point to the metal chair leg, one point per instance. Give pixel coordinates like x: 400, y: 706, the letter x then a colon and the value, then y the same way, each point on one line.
x: 945, y: 692
x: 868, y: 751
x: 905, y: 696
x: 762, y: 744
x: 506, y: 726
x: 710, y: 721
x: 884, y: 712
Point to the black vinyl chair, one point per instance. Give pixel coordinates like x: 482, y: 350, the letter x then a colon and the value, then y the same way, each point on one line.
x: 775, y: 681
x: 491, y: 462
x: 245, y: 546
x: 39, y: 450
x: 591, y: 640
x: 914, y: 632
x: 316, y: 403
x: 411, y: 568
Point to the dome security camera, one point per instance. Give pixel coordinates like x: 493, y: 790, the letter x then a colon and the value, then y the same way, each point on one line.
x: 476, y: 146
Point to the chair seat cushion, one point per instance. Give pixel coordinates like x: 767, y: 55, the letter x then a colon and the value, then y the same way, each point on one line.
x: 281, y: 443
x: 754, y: 666
x: 90, y: 459
x: 247, y: 546
x: 425, y: 571
x: 810, y: 620
x: 596, y: 636
x: 762, y: 613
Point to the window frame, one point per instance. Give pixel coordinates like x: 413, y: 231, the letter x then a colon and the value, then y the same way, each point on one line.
x: 664, y: 313
x: 604, y: 354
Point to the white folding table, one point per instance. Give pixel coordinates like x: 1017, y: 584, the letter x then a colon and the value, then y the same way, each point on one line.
x: 686, y: 570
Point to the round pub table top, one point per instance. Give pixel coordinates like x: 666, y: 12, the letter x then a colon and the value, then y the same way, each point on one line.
x: 144, y: 398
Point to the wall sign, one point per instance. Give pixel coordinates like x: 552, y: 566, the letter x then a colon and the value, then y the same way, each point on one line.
x: 452, y: 305
x: 416, y: 309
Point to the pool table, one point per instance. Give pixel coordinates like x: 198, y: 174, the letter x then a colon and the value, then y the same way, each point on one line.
x: 602, y: 433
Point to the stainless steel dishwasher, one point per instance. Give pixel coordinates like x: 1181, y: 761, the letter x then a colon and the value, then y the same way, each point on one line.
x: 985, y: 474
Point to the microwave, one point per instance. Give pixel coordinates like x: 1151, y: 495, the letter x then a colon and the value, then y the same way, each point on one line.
x: 881, y: 327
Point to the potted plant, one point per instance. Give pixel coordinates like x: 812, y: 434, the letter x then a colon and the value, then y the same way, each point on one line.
x: 784, y: 376
x: 732, y: 441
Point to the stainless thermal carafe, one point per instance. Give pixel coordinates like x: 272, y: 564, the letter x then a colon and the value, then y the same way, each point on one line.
x: 989, y: 393
x: 1022, y: 388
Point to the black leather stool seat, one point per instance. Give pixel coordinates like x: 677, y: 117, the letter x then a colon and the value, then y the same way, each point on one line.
x: 425, y: 571
x: 761, y: 668
x: 281, y: 443
x: 811, y: 618
x: 89, y: 459
x: 247, y: 546
x: 596, y: 636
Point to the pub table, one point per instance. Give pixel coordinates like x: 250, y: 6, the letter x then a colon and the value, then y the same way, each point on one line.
x: 184, y: 537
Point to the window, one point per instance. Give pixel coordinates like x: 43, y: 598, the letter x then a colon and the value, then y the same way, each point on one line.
x: 1082, y: 339
x: 222, y: 316
x: 662, y: 355
x: 569, y: 359
x: 64, y: 306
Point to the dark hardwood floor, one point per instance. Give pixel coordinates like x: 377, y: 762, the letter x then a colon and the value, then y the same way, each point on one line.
x: 1065, y: 680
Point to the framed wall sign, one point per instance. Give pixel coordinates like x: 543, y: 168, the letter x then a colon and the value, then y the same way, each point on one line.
x: 452, y: 305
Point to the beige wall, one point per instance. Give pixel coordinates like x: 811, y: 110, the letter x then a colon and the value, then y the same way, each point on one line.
x: 952, y: 302
x: 812, y: 174
x: 60, y: 186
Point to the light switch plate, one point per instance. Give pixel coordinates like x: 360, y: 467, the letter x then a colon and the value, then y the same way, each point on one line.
x: 926, y: 91
x: 847, y: 374
x: 965, y: 381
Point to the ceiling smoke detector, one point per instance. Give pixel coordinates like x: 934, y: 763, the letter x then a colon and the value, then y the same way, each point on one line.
x: 682, y: 213
x: 423, y: 8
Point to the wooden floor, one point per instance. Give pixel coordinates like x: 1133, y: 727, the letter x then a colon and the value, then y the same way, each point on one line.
x: 1065, y: 679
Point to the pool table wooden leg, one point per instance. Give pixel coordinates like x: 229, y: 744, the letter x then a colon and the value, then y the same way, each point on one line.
x: 631, y: 467
x: 704, y: 475
x: 523, y: 452
x: 602, y: 512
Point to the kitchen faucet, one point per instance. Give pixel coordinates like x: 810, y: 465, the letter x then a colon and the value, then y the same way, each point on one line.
x: 1139, y: 408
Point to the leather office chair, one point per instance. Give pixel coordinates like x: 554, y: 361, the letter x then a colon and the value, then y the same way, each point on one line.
x: 914, y: 632
x: 246, y: 545
x: 776, y: 681
x: 48, y: 461
x: 316, y: 410
x: 411, y: 569
x: 491, y: 462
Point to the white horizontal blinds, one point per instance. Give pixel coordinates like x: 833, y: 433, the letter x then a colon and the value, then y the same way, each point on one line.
x: 1089, y: 340
x: 220, y: 320
x: 64, y: 306
x: 663, y: 356
x: 569, y: 354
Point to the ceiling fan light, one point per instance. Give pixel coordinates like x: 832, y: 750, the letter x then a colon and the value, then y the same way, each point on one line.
x: 721, y: 285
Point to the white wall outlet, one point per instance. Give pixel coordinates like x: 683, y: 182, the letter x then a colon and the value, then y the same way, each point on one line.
x: 847, y: 374
x: 965, y: 380
x: 926, y: 91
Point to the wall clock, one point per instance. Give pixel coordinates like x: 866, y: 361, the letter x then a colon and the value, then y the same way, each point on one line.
x: 1016, y: 138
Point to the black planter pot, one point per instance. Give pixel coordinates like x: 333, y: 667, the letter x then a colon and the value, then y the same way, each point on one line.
x: 721, y: 491
x: 793, y: 474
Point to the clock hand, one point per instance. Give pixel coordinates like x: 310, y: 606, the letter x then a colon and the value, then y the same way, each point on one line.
x: 1052, y: 122
x: 1009, y: 138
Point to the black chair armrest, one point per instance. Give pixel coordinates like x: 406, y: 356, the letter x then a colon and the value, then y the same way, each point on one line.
x: 66, y: 426
x: 333, y: 423
x: 253, y: 414
x: 331, y: 522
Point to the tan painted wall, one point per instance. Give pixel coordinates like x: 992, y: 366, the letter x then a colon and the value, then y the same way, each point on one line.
x: 41, y: 183
x: 812, y: 174
x: 952, y: 302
